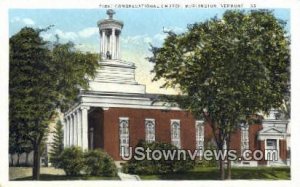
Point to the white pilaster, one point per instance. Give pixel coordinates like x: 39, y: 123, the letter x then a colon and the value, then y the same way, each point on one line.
x: 79, y: 129
x: 68, y: 131
x: 75, y: 129
x: 84, y: 122
x: 72, y: 130
x: 278, y: 148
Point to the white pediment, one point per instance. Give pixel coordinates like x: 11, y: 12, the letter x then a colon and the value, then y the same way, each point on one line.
x: 271, y: 130
x: 271, y: 133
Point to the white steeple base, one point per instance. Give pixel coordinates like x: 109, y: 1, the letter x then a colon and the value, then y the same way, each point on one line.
x: 116, y: 76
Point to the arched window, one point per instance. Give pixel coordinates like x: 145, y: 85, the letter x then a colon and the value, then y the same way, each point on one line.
x: 124, y: 136
x: 150, y: 130
x: 244, y: 137
x: 175, y: 133
x: 200, y: 136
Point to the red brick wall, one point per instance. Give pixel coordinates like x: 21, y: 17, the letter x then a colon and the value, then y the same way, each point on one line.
x: 236, y: 141
x: 261, y: 146
x: 253, y: 141
x: 283, y: 149
x: 106, y: 128
x: 137, y: 127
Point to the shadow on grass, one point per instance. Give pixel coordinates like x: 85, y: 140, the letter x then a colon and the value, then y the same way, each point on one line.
x: 267, y: 173
x: 49, y: 177
x: 261, y: 173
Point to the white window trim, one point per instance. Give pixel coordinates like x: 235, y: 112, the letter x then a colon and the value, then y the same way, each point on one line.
x: 200, y: 139
x: 179, y: 139
x: 122, y: 137
x: 147, y: 120
x: 244, y: 137
x: 123, y: 118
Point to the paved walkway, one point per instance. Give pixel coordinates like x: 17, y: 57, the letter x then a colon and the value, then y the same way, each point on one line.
x: 128, y: 177
x: 125, y: 176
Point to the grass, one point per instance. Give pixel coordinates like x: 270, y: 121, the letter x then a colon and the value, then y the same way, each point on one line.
x: 49, y: 174
x: 212, y: 173
x: 49, y: 177
x: 199, y: 173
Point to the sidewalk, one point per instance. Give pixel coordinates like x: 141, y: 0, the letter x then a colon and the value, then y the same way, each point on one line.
x: 128, y: 177
x: 125, y: 176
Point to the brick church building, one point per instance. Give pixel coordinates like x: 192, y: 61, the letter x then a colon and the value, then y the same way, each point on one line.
x: 117, y: 112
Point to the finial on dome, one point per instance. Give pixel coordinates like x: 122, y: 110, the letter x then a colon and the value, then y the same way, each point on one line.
x: 110, y: 13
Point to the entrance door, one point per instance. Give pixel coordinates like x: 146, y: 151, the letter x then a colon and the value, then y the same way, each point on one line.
x: 271, y: 144
x: 272, y: 151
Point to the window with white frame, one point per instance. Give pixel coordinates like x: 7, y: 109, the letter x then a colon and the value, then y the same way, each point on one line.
x: 150, y: 130
x: 124, y: 136
x: 175, y: 133
x: 200, y: 136
x: 244, y: 137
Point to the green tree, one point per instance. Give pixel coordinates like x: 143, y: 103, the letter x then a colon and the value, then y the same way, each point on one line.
x: 43, y: 78
x: 57, y: 144
x: 227, y: 69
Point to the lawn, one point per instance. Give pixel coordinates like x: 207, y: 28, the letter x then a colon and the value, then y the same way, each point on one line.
x: 49, y: 177
x: 204, y: 173
x: 48, y: 174
x: 199, y: 173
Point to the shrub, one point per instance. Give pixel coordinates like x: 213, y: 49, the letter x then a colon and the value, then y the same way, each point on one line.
x: 99, y: 163
x: 161, y: 166
x: 210, y: 145
x: 71, y: 161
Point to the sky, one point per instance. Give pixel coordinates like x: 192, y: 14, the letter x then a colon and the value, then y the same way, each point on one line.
x: 142, y: 27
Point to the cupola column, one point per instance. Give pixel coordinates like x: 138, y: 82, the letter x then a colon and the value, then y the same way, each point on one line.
x: 110, y: 30
x: 113, y: 51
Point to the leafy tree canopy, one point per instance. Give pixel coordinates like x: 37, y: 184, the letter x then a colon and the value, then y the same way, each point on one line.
x: 227, y: 69
x: 236, y: 65
x: 43, y: 77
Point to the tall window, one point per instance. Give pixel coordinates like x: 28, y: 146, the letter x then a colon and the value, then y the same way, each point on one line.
x: 200, y: 135
x: 150, y: 130
x: 175, y: 133
x: 244, y: 137
x: 124, y: 136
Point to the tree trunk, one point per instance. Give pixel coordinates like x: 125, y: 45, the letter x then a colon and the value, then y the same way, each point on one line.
x: 18, y: 159
x: 228, y: 169
x: 36, y: 162
x: 228, y: 161
x: 12, y: 159
x: 26, y: 160
x: 221, y: 162
x: 222, y: 170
